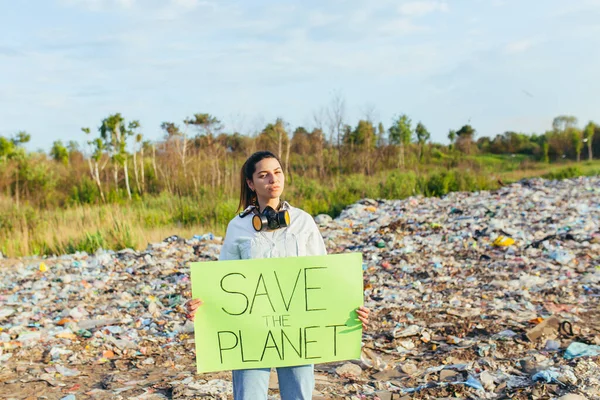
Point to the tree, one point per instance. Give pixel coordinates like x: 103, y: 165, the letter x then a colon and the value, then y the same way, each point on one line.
x: 589, y: 131
x: 274, y: 136
x: 110, y: 132
x: 301, y: 143
x: 21, y: 137
x: 94, y: 161
x: 423, y: 136
x: 59, y: 152
x: 451, y: 137
x: 362, y: 136
x: 138, y: 144
x: 363, y: 139
x: 380, y: 135
x: 545, y: 149
x: 175, y: 135
x: 465, y: 138
x: 564, y: 122
x: 336, y: 115
x: 170, y: 128
x: 317, y: 139
x: 400, y: 134
x: 18, y: 154
x: 72, y: 146
x: 576, y: 141
x: 7, y: 148
x: 208, y: 125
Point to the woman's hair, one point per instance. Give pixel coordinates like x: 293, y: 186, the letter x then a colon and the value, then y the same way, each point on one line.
x: 247, y: 196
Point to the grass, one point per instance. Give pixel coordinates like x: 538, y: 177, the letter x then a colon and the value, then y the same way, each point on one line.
x: 87, y: 228
x: 27, y: 231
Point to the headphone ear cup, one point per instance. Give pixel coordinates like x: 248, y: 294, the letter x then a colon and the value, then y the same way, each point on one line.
x: 257, y: 223
x: 285, y: 218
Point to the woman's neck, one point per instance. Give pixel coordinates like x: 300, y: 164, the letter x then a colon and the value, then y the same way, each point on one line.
x: 263, y: 203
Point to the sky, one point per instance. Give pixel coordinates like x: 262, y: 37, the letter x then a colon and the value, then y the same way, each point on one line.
x: 499, y: 65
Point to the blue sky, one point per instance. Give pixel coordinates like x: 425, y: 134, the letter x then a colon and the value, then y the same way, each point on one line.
x: 500, y: 64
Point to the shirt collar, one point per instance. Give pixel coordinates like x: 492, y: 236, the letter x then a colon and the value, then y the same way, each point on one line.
x: 284, y: 206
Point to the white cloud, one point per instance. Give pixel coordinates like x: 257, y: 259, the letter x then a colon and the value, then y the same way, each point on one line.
x: 319, y: 18
x: 186, y: 3
x: 519, y: 46
x: 420, y: 8
x: 101, y: 5
x: 400, y: 26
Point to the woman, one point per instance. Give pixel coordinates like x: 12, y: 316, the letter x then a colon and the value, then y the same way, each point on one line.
x: 262, y: 183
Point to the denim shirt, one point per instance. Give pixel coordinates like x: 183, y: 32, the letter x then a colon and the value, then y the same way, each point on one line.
x: 301, y: 238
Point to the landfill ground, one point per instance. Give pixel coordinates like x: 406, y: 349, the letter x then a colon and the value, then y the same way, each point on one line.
x: 487, y: 295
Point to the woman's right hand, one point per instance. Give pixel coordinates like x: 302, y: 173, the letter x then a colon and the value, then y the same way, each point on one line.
x: 191, y: 306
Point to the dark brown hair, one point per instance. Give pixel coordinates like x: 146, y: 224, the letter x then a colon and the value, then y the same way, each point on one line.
x: 247, y: 196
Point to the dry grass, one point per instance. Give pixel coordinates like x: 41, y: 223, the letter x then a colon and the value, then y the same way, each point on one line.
x: 88, y: 227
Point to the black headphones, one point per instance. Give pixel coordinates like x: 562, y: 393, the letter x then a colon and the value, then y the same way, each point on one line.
x: 269, y: 219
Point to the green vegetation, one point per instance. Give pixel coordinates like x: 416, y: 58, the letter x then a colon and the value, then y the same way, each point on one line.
x: 27, y: 230
x: 119, y: 190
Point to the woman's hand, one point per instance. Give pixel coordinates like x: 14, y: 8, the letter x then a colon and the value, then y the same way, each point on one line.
x: 191, y: 306
x: 363, y: 315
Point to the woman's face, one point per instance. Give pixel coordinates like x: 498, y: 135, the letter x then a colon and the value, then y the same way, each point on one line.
x: 268, y: 180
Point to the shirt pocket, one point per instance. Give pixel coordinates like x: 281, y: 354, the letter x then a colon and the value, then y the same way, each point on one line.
x: 254, y: 248
x: 295, y: 244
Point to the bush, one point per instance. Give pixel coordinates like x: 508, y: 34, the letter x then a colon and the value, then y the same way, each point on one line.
x: 564, y: 173
x: 398, y: 186
x: 84, y: 192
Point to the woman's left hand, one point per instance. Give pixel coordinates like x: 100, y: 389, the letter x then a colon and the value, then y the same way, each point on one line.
x: 363, y: 315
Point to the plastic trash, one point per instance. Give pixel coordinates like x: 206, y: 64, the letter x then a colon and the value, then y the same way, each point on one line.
x: 562, y: 256
x: 206, y: 236
x: 64, y: 371
x: 452, y: 302
x: 503, y: 241
x: 547, y: 376
x: 552, y: 345
x: 577, y: 349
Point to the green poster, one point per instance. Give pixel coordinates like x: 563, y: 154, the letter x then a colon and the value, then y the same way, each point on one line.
x: 277, y: 312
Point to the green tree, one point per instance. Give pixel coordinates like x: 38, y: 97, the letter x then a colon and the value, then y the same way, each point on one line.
x: 7, y: 148
x: 175, y: 136
x: 208, y: 125
x: 545, y: 149
x: 422, y: 136
x: 576, y: 141
x: 170, y: 128
x: 564, y: 122
x: 12, y: 150
x: 111, y: 134
x: 97, y: 145
x: 274, y: 136
x: 366, y: 138
x: 380, y: 135
x: 362, y: 136
x: 451, y: 137
x: 115, y: 132
x: 400, y: 134
x: 589, y: 131
x: 21, y: 137
x: 72, y: 146
x: 59, y: 152
x: 301, y: 144
x: 465, y: 135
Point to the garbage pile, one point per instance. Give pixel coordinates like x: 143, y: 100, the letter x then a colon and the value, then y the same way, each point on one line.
x: 474, y: 295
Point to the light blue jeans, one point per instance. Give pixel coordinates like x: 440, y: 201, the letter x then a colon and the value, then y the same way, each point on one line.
x: 295, y: 383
